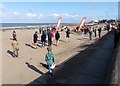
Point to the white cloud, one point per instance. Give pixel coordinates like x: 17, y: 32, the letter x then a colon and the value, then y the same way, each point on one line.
x: 70, y: 15
x: 31, y: 15
x: 65, y: 15
x: 55, y: 15
x: 75, y: 16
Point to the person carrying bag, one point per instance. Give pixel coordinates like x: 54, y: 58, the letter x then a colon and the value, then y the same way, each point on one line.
x: 50, y: 59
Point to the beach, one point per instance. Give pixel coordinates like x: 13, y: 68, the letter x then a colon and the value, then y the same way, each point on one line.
x: 28, y: 66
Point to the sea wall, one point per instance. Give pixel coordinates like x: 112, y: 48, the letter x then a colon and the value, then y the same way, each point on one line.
x: 112, y: 75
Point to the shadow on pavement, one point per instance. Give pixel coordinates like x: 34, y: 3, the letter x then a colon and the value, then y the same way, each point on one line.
x: 82, y: 38
x: 62, y: 41
x: 54, y: 44
x: 39, y: 42
x: 34, y: 68
x: 30, y: 46
x: 11, y: 53
x: 39, y: 45
x: 44, y: 65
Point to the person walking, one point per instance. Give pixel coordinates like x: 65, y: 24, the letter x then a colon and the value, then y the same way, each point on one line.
x: 50, y: 59
x: 15, y: 47
x: 43, y: 39
x: 94, y: 30
x: 14, y: 34
x: 90, y: 34
x: 35, y: 39
x: 57, y: 36
x: 68, y: 35
x: 49, y: 38
x: 108, y: 27
x: 82, y: 30
x: 40, y: 30
x: 99, y: 32
x: 52, y: 35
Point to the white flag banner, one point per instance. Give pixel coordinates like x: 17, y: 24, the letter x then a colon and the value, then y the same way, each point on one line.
x: 58, y: 24
x: 82, y: 23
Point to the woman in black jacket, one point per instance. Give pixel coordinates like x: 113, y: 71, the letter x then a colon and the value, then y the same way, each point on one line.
x: 68, y: 35
x: 35, y: 39
x: 57, y: 36
x: 43, y: 39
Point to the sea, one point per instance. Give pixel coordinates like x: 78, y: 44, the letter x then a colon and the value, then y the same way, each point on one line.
x: 26, y: 25
x: 23, y: 25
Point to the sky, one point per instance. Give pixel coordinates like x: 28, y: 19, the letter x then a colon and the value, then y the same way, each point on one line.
x: 49, y: 12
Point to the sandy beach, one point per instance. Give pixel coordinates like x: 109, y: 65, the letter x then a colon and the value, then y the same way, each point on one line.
x: 16, y: 71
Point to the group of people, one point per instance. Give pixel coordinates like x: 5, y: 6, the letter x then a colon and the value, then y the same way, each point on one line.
x: 50, y: 35
x: 95, y: 29
x: 90, y: 30
x: 46, y: 34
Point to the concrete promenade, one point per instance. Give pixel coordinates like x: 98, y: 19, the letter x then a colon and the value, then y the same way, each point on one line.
x: 87, y: 67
